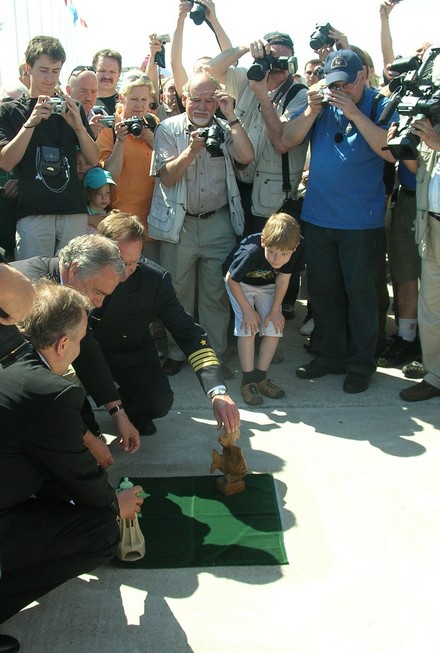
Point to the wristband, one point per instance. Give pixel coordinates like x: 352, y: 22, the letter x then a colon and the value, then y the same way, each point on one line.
x: 29, y: 126
x: 115, y: 409
x: 234, y: 122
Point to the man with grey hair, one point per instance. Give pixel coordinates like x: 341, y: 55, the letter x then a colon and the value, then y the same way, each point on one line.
x: 196, y: 210
x: 92, y: 265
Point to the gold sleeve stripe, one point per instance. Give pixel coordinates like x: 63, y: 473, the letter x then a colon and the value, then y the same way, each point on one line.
x: 202, y: 358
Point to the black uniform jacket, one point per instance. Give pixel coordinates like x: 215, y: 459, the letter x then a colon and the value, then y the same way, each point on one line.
x: 121, y: 324
x: 41, y: 440
x: 90, y: 366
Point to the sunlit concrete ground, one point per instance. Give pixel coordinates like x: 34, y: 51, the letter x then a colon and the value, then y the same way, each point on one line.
x: 357, y: 478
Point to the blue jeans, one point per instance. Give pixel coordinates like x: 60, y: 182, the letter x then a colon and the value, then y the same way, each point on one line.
x: 342, y: 266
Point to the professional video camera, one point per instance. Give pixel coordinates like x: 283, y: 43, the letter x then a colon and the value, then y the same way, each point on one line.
x: 214, y: 138
x: 414, y: 96
x: 261, y: 66
x: 198, y: 12
x: 320, y: 36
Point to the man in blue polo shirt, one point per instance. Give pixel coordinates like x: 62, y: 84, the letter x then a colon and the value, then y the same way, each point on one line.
x: 344, y: 213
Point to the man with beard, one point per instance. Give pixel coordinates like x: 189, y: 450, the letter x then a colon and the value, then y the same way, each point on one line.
x: 196, y: 210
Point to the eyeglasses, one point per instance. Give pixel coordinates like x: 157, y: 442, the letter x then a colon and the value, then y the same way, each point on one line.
x: 134, y: 78
x: 336, y: 86
x: 196, y: 99
x: 80, y: 69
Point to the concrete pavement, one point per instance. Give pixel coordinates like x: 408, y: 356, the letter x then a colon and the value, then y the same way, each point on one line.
x: 359, y: 495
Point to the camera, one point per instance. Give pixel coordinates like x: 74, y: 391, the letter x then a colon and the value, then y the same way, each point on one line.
x: 150, y: 122
x: 134, y: 125
x: 159, y: 57
x: 107, y: 121
x: 260, y: 67
x: 198, y: 12
x: 57, y: 105
x: 325, y: 93
x: 320, y: 36
x: 404, y: 65
x: 214, y: 138
x: 99, y: 111
x: 414, y: 96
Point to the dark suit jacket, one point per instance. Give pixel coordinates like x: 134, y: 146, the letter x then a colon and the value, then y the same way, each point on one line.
x: 90, y: 365
x: 41, y: 446
x: 121, y: 325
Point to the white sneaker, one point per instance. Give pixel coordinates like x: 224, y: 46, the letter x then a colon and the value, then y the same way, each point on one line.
x: 307, y: 327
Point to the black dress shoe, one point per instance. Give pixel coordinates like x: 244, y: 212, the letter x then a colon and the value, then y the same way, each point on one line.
x: 148, y: 427
x: 172, y: 367
x: 356, y: 382
x: 419, y: 392
x: 8, y: 644
x: 314, y: 370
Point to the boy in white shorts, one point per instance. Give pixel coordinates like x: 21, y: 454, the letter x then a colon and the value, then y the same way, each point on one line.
x: 257, y: 274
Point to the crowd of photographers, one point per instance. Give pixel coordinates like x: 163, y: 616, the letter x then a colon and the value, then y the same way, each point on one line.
x: 201, y: 159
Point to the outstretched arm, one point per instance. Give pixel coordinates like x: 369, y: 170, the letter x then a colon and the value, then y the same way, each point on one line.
x: 222, y: 38
x: 177, y: 68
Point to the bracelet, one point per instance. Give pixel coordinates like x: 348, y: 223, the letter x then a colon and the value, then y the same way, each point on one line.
x: 29, y: 126
x: 115, y: 409
x: 234, y: 122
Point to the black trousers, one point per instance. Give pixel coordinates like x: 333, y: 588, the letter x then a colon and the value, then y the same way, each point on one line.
x: 42, y: 545
x: 145, y: 391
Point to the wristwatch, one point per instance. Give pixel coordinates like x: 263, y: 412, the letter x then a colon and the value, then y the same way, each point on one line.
x: 217, y: 392
x: 115, y: 409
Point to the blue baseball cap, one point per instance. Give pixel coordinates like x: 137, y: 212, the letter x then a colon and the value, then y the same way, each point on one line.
x: 97, y: 177
x: 342, y: 66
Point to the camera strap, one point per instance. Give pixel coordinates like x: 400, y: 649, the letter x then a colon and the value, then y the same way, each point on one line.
x: 287, y: 186
x: 50, y: 161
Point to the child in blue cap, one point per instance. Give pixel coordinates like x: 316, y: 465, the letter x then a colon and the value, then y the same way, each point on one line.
x: 98, y: 187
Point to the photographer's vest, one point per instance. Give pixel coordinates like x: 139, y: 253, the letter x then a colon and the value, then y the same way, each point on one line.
x: 265, y: 172
x: 168, y: 207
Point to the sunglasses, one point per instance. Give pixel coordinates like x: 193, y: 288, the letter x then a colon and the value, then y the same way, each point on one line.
x: 80, y: 69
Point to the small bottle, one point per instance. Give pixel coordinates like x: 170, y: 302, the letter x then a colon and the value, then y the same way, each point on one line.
x: 132, y: 543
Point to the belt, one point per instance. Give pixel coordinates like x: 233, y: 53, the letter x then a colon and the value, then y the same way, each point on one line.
x: 203, y: 216
x: 408, y: 191
x: 436, y: 216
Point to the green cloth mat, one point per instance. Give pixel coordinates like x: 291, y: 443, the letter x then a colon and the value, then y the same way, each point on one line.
x: 187, y: 522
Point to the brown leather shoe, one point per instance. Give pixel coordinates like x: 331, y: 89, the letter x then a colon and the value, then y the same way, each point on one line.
x: 419, y: 392
x: 172, y: 367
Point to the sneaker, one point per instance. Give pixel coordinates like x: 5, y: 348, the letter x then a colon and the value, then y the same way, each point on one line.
x: 251, y: 395
x: 398, y: 353
x: 269, y: 389
x: 414, y: 370
x: 307, y: 326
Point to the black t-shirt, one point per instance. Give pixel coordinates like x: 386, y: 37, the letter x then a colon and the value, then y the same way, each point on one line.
x: 41, y: 194
x: 109, y: 103
x: 246, y: 263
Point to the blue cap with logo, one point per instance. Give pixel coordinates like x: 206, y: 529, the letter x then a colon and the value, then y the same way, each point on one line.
x: 97, y: 177
x: 342, y: 66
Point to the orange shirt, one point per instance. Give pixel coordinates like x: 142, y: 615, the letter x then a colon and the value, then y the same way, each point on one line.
x: 134, y: 186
